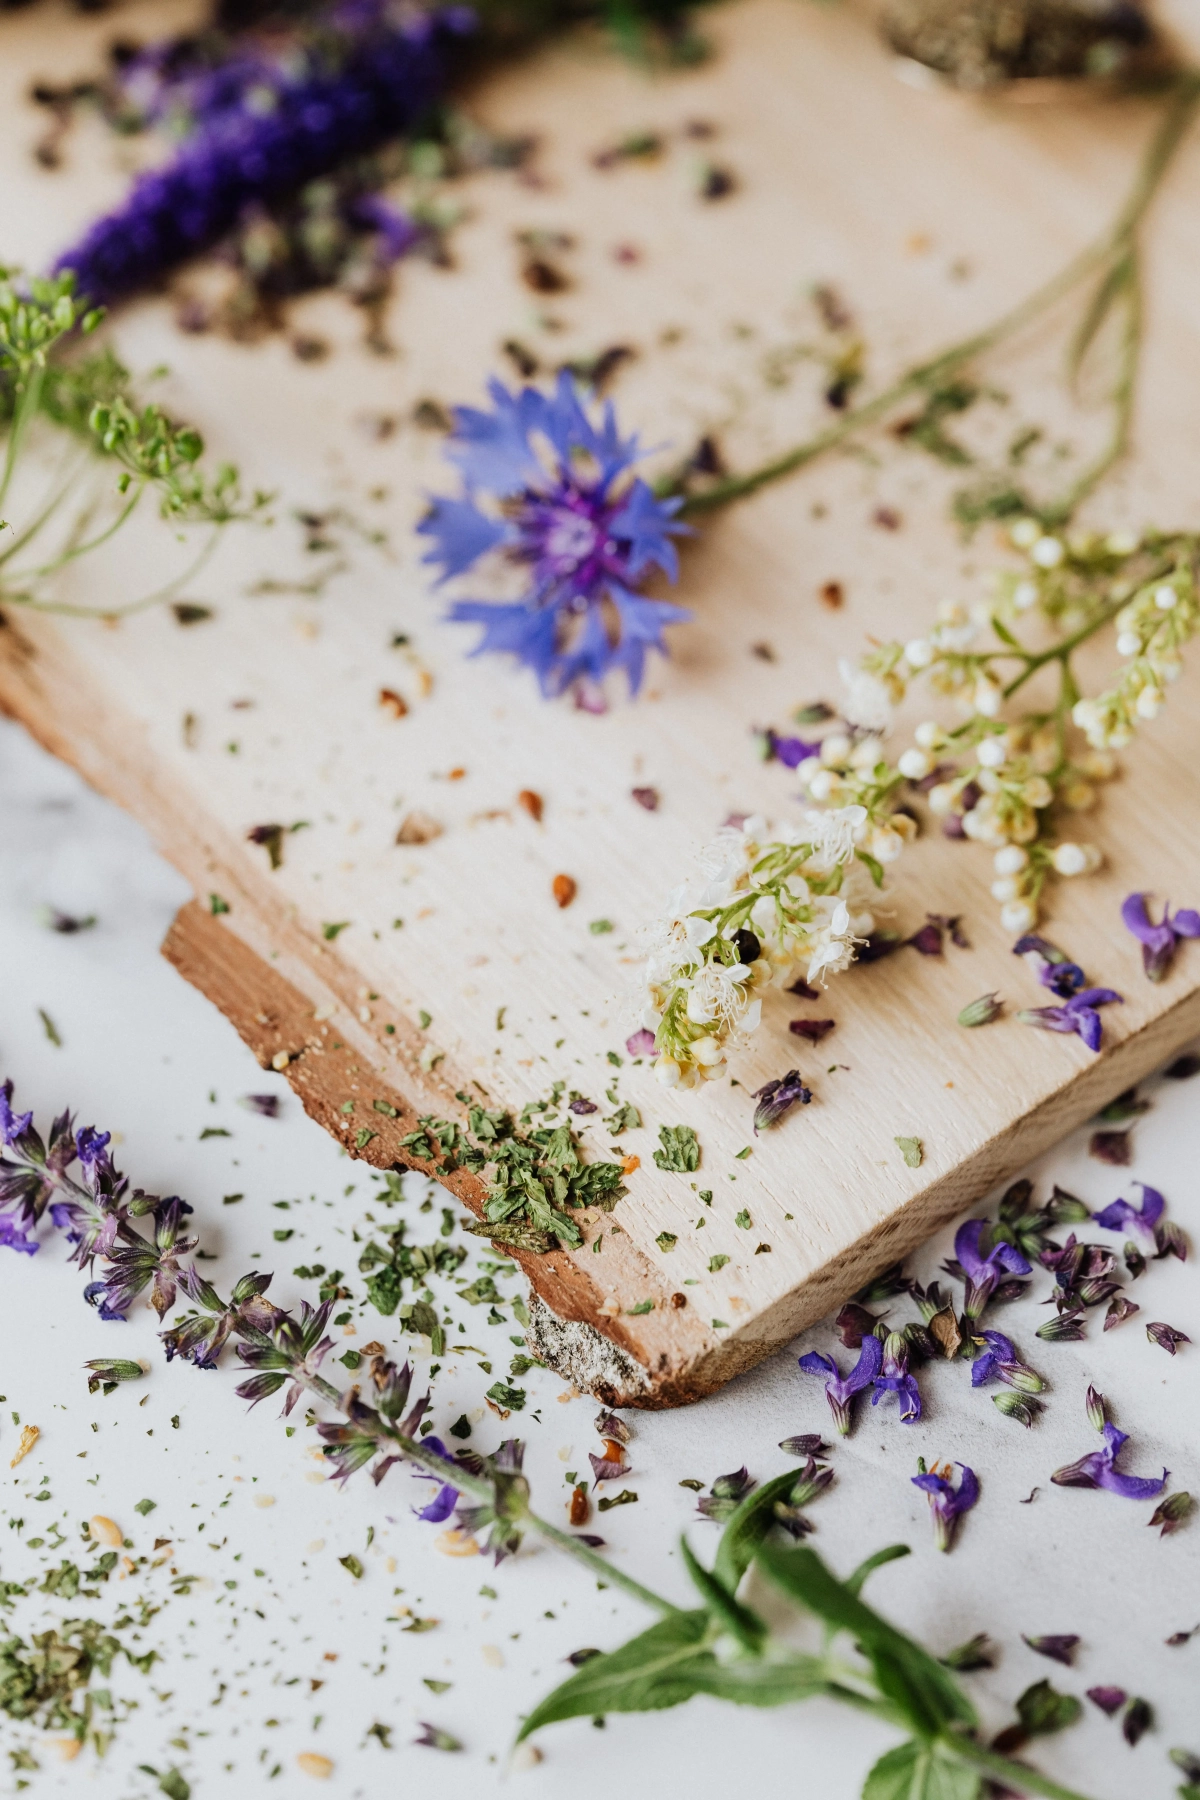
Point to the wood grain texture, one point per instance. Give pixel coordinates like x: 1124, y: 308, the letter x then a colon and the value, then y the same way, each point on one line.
x: 930, y: 212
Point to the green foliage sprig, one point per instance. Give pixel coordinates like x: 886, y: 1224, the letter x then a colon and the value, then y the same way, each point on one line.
x: 88, y: 400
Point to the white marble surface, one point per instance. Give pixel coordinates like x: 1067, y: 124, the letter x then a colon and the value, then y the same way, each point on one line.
x: 232, y: 1703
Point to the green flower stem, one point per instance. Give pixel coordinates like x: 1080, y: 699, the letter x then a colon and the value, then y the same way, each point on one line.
x: 1116, y: 243
x: 66, y: 610
x: 81, y: 549
x: 588, y: 1557
x: 1013, y: 1774
x: 26, y: 407
x: 1061, y: 653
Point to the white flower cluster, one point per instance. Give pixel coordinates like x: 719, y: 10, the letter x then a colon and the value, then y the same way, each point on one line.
x: 1008, y: 784
x: 758, y: 910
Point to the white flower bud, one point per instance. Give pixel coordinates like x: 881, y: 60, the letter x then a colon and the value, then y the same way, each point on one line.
x: 1129, y: 643
x: 1149, y: 703
x: 808, y: 768
x: 1025, y: 595
x: 1080, y: 796
x: 1168, y: 668
x: 823, y: 785
x: 1121, y: 543
x: 1011, y: 860
x: 941, y: 798
x: 712, y: 1071
x: 1018, y: 915
x: 918, y: 653
x: 668, y: 1071
x: 989, y: 781
x: 1006, y: 887
x: 1024, y: 533
x: 993, y: 753
x: 1075, y: 859
x: 986, y: 697
x: 1047, y: 553
x: 862, y: 924
x: 835, y: 748
x: 914, y: 765
x: 928, y: 734
x: 1165, y: 598
x: 1037, y: 791
x: 706, y: 1050
x: 1101, y: 765
x: 885, y: 845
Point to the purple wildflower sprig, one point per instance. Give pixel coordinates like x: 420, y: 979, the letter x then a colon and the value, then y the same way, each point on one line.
x: 282, y: 1351
x: 562, y: 504
x: 367, y: 80
x: 985, y: 1271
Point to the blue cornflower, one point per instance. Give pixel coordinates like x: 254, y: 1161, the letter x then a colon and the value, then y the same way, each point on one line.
x: 367, y: 82
x: 946, y: 1502
x: 565, y: 507
x: 841, y: 1389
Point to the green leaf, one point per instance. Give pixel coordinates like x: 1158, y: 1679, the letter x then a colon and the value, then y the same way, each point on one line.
x: 907, y: 1674
x: 854, y: 1583
x: 648, y: 1673
x: 912, y: 1150
x: 921, y: 1772
x: 873, y: 864
x: 729, y: 1613
x: 145, y: 1507
x: 757, y: 1683
x: 680, y: 1149
x: 1043, y: 1710
x: 747, y: 1527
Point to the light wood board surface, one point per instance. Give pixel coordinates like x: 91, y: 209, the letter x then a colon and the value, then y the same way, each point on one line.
x: 930, y: 212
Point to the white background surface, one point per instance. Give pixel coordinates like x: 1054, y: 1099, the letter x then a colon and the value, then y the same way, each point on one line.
x: 231, y: 1702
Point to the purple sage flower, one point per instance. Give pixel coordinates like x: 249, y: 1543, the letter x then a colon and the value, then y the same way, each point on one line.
x: 1159, y: 942
x: 1120, y: 1215
x: 1000, y: 1362
x: 1052, y: 966
x: 446, y: 1498
x: 1166, y: 1336
x: 1098, y: 1470
x: 1058, y: 1646
x: 1078, y: 1014
x: 946, y: 1502
x: 894, y: 1378
x: 841, y: 1389
x: 366, y: 82
x: 565, y: 507
x: 982, y: 1273
x: 790, y: 751
x: 1110, y: 1700
x: 777, y: 1097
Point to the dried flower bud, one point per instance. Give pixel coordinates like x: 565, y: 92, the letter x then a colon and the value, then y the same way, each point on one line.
x: 981, y: 1011
x: 1170, y: 1513
x: 1015, y: 1406
x: 1096, y: 1409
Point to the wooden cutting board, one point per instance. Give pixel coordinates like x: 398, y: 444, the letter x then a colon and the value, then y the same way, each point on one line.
x: 929, y: 212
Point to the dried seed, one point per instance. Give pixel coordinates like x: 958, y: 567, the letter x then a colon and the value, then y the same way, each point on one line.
x: 393, y: 703
x: 532, y: 803
x: 564, y: 888
x: 29, y: 1437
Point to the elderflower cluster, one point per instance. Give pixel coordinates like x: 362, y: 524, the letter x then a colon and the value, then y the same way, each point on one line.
x: 1008, y: 785
x: 758, y: 910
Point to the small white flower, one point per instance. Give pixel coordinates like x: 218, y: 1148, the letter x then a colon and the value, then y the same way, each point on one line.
x: 1025, y: 595
x: 1165, y: 598
x: 941, y: 798
x: 1075, y: 859
x: 1129, y: 643
x: 1121, y: 543
x: 993, y: 753
x: 928, y: 734
x: 986, y: 697
x: 1037, y: 791
x: 868, y: 701
x: 831, y: 834
x: 1018, y: 915
x: 914, y: 764
x: 668, y: 1071
x: 1011, y: 860
x: 1024, y: 533
x: 885, y: 845
x: 835, y: 749
x: 1047, y: 553
x: 918, y: 653
x: 833, y: 947
x: 1006, y: 887
x: 824, y: 785
x: 1149, y: 703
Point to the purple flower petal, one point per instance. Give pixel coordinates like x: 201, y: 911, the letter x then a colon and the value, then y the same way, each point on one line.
x: 1110, y: 1700
x: 640, y: 1044
x: 1059, y: 1647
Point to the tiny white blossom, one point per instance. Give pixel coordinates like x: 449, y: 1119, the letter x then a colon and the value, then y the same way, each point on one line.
x: 868, y: 701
